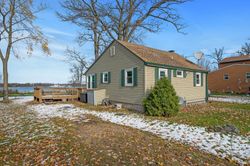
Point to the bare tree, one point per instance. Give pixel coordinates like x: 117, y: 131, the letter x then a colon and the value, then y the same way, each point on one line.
x: 16, y: 26
x: 205, y: 63
x: 245, y: 49
x: 103, y: 21
x: 78, y: 65
x: 217, y: 56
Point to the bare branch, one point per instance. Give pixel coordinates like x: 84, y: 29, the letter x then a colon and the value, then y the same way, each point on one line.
x: 217, y: 56
x: 78, y: 64
x: 103, y: 21
x: 245, y: 49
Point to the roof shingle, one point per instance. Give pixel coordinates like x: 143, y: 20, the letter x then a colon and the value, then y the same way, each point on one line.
x: 152, y: 55
x: 236, y: 58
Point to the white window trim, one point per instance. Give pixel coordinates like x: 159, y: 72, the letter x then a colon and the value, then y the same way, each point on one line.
x: 162, y: 69
x: 199, y: 79
x: 126, y: 83
x: 182, y: 73
x: 91, y: 80
x: 103, y: 80
x: 227, y: 76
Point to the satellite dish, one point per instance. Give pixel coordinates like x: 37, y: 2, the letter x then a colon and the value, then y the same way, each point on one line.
x: 198, y: 55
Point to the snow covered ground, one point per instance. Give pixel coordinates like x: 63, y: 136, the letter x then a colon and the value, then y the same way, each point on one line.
x: 230, y: 99
x: 234, y: 147
x: 20, y: 99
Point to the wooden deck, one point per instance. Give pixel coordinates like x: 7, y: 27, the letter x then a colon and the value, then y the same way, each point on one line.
x: 57, y: 94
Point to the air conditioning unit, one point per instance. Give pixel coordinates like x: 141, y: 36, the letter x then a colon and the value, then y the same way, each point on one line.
x: 118, y: 106
x: 182, y: 101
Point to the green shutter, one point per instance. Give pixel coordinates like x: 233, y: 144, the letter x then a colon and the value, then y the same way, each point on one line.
x: 194, y: 78
x: 109, y: 77
x: 185, y: 74
x: 95, y: 81
x: 169, y: 74
x: 201, y: 79
x: 122, y: 77
x: 135, y: 76
x: 88, y: 81
x: 101, y: 78
x: 174, y: 71
x: 156, y: 74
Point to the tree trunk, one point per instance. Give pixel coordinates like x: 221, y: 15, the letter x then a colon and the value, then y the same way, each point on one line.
x: 96, y: 44
x: 81, y: 74
x: 5, y: 81
x: 96, y: 48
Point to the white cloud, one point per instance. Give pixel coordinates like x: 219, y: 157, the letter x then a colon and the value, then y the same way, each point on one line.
x: 231, y: 51
x: 57, y: 32
x: 56, y: 46
x: 205, y: 50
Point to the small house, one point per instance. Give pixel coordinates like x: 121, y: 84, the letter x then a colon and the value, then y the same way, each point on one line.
x: 126, y: 72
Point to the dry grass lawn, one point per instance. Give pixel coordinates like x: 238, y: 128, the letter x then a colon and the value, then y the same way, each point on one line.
x: 27, y: 140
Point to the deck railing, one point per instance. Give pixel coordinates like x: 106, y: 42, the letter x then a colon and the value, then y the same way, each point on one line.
x: 41, y: 94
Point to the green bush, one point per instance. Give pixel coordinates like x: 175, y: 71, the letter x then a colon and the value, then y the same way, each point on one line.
x: 162, y: 100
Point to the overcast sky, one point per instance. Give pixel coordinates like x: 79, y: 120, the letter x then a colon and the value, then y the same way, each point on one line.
x: 211, y: 24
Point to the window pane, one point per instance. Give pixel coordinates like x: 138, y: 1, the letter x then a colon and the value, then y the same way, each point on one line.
x: 248, y: 75
x: 162, y: 74
x: 106, y: 77
x: 179, y: 73
x: 129, y: 73
x: 197, y: 79
x: 226, y: 76
x: 129, y: 77
x: 129, y: 80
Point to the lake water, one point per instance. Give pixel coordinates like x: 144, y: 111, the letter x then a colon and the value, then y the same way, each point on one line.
x: 25, y: 89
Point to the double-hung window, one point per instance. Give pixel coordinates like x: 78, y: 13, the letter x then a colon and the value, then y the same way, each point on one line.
x: 129, y: 81
x: 198, y: 79
x: 163, y: 73
x: 105, y: 77
x: 91, y: 81
x: 179, y: 73
x: 129, y: 77
x: 248, y: 75
x: 226, y: 77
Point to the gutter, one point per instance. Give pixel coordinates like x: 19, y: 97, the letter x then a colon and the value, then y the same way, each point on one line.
x: 173, y: 67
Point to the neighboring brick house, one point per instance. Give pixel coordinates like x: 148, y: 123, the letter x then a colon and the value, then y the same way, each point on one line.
x: 233, y: 76
x: 126, y: 72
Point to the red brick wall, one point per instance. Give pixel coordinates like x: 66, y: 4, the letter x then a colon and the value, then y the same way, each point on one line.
x: 237, y: 79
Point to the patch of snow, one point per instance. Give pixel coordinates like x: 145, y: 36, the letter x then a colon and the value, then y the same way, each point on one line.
x: 20, y: 99
x: 230, y: 100
x: 236, y: 147
x: 66, y: 111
